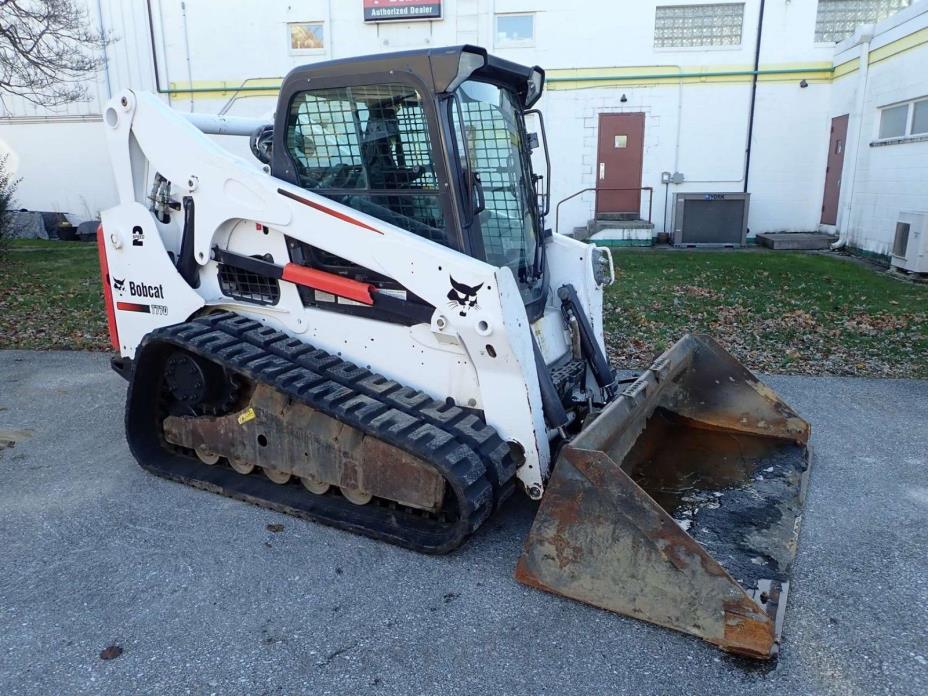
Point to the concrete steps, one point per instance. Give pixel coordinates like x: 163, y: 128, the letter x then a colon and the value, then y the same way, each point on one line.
x: 599, y: 224
x: 617, y: 217
x: 620, y: 229
x: 616, y: 229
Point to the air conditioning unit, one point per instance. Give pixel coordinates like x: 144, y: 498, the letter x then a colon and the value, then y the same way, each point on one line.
x: 710, y: 219
x: 910, y: 245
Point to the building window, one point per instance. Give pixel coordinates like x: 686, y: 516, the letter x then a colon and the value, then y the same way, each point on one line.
x: 901, y: 120
x: 683, y: 26
x: 306, y: 37
x: 837, y: 19
x: 514, y: 30
x: 920, y: 117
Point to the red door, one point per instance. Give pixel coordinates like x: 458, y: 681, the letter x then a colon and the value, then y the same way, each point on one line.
x: 620, y: 151
x: 833, y: 170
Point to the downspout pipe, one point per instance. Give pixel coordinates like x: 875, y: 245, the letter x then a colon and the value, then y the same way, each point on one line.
x: 154, y: 50
x: 850, y: 174
x: 747, y: 151
x: 183, y: 14
x: 106, y: 61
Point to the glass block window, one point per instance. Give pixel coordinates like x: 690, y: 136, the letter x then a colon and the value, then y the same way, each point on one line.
x: 680, y: 26
x: 837, y: 19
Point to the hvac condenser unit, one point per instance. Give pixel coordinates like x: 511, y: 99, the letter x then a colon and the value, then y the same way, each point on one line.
x: 910, y: 245
x: 710, y: 219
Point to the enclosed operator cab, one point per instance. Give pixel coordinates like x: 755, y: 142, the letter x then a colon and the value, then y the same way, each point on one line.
x: 432, y: 141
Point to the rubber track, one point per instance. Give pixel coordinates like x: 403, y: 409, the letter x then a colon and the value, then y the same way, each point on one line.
x: 473, y: 459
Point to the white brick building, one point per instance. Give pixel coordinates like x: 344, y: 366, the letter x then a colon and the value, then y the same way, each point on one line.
x: 687, y: 65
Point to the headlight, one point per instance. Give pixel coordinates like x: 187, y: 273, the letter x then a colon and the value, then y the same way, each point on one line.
x: 603, y: 271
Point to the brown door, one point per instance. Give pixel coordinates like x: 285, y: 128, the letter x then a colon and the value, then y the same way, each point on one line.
x: 833, y: 170
x: 618, y: 164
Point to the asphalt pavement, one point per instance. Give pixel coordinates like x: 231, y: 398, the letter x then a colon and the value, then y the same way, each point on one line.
x: 202, y: 597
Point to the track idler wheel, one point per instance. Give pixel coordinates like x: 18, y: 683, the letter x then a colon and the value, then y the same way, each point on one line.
x: 241, y: 466
x: 314, y: 485
x: 276, y: 475
x: 353, y: 495
x: 207, y: 457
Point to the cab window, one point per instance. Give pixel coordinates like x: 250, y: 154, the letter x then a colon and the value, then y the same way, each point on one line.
x: 368, y: 148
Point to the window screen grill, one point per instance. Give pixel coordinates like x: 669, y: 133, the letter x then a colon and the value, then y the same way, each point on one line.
x: 240, y: 284
x: 901, y: 240
x: 368, y: 147
x: 698, y: 25
x: 837, y: 19
x: 494, y: 147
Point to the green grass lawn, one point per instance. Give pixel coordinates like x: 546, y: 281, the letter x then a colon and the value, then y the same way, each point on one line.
x: 51, y: 296
x: 777, y: 312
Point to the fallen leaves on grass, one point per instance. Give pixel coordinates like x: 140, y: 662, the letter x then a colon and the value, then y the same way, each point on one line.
x: 52, y: 300
x: 790, y: 318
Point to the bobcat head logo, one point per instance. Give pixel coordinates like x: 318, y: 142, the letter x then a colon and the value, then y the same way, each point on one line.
x: 119, y: 285
x: 463, y: 296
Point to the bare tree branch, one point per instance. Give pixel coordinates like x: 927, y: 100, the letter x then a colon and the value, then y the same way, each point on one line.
x: 48, y: 49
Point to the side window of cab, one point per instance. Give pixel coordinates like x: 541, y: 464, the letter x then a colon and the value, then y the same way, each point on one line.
x: 368, y: 147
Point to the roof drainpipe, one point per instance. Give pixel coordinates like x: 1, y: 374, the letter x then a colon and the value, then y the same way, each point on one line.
x: 154, y: 51
x: 183, y: 14
x: 850, y: 173
x: 106, y: 62
x: 747, y: 151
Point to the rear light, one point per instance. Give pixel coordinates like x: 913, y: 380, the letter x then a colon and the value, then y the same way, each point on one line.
x: 107, y: 290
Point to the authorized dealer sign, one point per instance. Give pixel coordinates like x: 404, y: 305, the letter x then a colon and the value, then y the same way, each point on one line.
x: 389, y: 10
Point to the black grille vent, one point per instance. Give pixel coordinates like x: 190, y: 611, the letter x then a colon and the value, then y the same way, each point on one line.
x: 247, y: 286
x: 901, y: 241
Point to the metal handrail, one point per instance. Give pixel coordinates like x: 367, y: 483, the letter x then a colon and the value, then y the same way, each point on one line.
x: 557, y: 209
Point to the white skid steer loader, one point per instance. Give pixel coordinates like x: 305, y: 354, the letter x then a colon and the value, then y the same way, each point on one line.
x: 367, y: 325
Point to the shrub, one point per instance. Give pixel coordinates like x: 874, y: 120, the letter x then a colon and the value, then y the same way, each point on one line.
x: 7, y: 189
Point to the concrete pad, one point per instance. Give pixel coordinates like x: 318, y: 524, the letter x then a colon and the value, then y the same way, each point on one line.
x: 203, y: 597
x: 795, y: 241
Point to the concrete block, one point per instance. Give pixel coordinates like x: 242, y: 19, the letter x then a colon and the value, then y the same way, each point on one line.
x: 795, y: 241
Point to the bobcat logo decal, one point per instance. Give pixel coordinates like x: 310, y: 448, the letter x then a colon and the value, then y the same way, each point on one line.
x: 463, y: 296
x: 119, y: 285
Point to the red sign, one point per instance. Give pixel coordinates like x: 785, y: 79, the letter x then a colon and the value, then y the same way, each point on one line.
x: 403, y: 10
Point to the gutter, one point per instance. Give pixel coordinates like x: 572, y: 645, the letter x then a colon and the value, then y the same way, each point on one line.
x: 670, y: 77
x: 684, y: 76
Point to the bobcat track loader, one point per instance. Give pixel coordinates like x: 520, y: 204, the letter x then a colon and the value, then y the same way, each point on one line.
x: 366, y: 324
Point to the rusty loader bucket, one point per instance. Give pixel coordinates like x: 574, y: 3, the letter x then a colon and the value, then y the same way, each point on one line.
x: 680, y: 503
